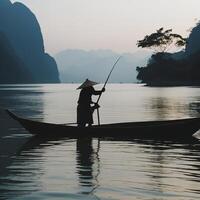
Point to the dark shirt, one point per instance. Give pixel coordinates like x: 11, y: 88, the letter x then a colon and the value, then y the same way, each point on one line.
x: 85, y: 97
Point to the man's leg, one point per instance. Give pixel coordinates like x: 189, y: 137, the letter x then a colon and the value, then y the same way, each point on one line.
x: 81, y: 124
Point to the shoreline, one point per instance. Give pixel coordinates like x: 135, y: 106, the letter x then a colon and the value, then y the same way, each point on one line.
x: 171, y: 84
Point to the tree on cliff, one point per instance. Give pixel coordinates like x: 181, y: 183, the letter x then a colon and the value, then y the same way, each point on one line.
x: 162, y: 67
x: 162, y: 40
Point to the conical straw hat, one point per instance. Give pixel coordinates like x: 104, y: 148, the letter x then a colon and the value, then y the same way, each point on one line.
x: 86, y: 84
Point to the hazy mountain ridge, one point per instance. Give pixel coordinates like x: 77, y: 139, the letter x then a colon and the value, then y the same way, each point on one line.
x: 75, y: 65
x: 23, y: 32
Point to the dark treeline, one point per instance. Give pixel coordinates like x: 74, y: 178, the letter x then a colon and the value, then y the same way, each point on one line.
x: 171, y: 69
x: 164, y: 70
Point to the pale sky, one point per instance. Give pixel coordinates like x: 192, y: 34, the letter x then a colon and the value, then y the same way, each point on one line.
x: 109, y: 24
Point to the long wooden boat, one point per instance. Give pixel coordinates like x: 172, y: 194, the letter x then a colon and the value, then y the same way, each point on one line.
x: 171, y: 129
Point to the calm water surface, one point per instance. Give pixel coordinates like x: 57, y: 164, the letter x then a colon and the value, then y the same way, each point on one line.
x: 107, y: 169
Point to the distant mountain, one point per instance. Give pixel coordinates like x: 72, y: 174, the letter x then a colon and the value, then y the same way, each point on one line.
x: 25, y: 43
x: 77, y: 65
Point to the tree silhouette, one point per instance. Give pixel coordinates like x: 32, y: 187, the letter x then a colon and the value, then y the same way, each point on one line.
x: 162, y: 40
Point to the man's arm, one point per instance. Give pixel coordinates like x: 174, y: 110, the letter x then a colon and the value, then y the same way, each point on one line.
x: 95, y: 92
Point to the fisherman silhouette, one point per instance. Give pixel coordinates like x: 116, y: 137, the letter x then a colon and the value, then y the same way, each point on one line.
x: 84, y: 108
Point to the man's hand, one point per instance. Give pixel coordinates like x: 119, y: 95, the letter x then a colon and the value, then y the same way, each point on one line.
x: 96, y: 106
x: 103, y: 90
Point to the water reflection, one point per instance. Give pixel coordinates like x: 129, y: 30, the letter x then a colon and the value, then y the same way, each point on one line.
x: 25, y: 99
x: 171, y: 164
x: 27, y: 171
x: 22, y: 176
x: 194, y: 107
x: 141, y: 168
x: 60, y: 168
x: 85, y: 161
x: 173, y: 103
x: 165, y: 108
x: 88, y: 164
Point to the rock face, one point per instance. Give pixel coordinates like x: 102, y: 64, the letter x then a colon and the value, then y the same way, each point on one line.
x: 22, y: 30
x: 12, y: 68
x: 77, y: 65
x: 193, y: 42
